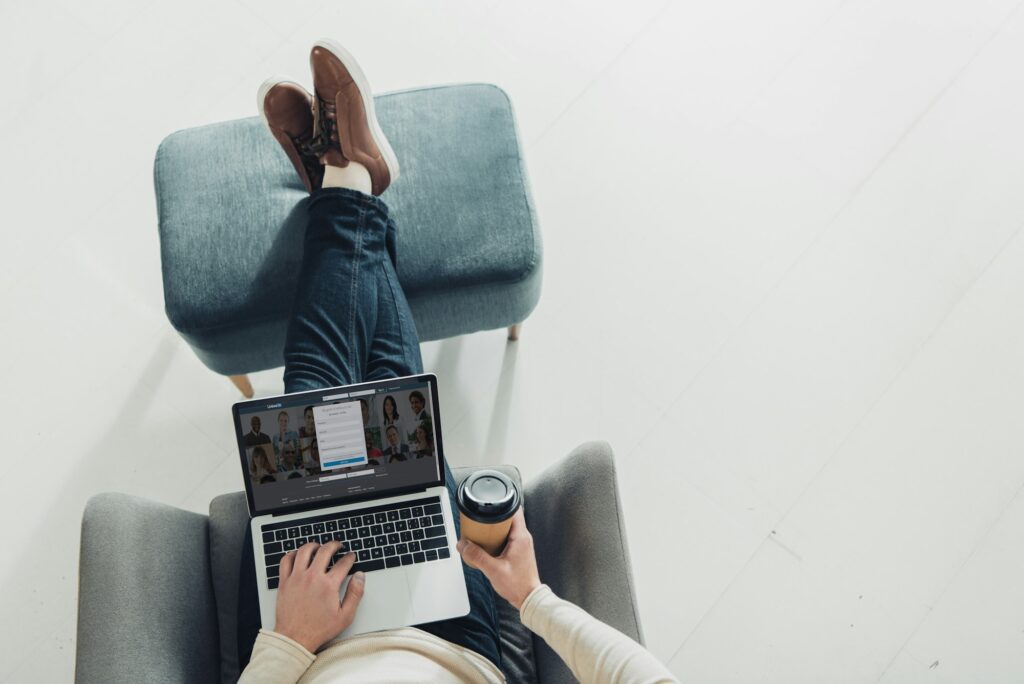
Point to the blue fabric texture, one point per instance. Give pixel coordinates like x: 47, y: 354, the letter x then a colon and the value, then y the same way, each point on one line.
x: 351, y: 323
x: 232, y: 213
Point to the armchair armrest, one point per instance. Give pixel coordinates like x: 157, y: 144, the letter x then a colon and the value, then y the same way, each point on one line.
x: 574, y: 514
x: 145, y: 607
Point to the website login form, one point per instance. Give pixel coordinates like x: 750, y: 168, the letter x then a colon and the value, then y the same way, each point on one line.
x: 339, y: 431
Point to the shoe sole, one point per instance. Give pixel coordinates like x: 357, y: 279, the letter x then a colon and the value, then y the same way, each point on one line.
x: 367, y: 94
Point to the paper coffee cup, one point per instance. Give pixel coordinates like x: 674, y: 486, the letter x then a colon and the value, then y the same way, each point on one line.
x: 487, y: 501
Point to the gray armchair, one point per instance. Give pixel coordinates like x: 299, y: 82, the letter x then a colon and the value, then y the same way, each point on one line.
x: 158, y: 586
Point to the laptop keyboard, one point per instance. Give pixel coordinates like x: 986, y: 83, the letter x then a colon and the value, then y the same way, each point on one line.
x: 385, y: 536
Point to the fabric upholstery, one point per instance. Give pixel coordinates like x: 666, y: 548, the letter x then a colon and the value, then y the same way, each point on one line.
x: 144, y: 616
x: 579, y: 535
x: 232, y: 211
x: 229, y: 523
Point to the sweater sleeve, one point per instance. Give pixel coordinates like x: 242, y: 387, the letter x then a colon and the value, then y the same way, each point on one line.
x: 276, y: 659
x: 594, y: 652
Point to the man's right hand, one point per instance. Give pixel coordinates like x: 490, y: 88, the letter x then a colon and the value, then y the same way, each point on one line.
x: 308, y: 609
x: 513, y: 574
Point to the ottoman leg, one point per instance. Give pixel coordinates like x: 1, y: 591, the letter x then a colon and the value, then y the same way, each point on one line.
x: 513, y: 332
x: 243, y: 385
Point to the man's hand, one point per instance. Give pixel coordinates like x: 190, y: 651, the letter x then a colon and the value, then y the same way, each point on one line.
x: 513, y: 574
x: 308, y: 609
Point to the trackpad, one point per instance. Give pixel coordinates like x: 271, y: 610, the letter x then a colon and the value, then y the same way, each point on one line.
x: 386, y: 602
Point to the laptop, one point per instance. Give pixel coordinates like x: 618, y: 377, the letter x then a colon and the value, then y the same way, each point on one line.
x: 363, y: 465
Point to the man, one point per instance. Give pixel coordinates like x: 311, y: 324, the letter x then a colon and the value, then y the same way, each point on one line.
x: 395, y: 450
x: 254, y: 437
x: 418, y: 404
x: 290, y: 462
x: 367, y: 333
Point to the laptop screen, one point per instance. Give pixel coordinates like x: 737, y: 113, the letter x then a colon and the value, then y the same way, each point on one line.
x: 348, y: 443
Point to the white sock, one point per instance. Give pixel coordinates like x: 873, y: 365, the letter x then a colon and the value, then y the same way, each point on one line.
x: 354, y: 176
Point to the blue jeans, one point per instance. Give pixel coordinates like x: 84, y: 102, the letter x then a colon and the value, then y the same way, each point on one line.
x: 351, y: 323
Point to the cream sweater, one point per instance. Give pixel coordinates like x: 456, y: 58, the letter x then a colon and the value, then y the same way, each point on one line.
x: 593, y: 651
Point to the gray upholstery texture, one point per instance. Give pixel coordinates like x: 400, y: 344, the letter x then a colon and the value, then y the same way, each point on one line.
x: 579, y: 535
x: 134, y: 624
x: 232, y: 213
x: 141, y: 617
x: 229, y: 523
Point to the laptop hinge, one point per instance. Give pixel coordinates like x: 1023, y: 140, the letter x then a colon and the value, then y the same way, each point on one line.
x: 420, y: 490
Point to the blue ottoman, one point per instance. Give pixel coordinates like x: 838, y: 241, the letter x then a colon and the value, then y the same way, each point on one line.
x: 232, y: 213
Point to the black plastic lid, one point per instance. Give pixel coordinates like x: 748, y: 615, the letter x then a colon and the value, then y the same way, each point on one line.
x: 488, y: 496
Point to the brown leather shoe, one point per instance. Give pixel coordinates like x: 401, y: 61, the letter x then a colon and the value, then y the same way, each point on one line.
x: 287, y: 109
x: 345, y: 125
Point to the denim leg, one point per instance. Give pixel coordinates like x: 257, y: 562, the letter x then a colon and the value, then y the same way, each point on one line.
x: 394, y: 352
x: 334, y: 318
x: 351, y: 323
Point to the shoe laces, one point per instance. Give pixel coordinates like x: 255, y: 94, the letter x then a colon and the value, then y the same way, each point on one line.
x: 325, y: 127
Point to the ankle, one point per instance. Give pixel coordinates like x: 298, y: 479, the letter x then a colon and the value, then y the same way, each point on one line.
x: 355, y: 176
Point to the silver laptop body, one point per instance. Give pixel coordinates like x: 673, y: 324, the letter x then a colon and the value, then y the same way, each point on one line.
x: 361, y: 465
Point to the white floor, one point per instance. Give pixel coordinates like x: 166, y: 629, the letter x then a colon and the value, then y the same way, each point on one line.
x: 784, y: 278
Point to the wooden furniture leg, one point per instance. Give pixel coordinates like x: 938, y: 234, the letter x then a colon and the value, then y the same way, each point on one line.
x: 243, y: 385
x: 513, y: 332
